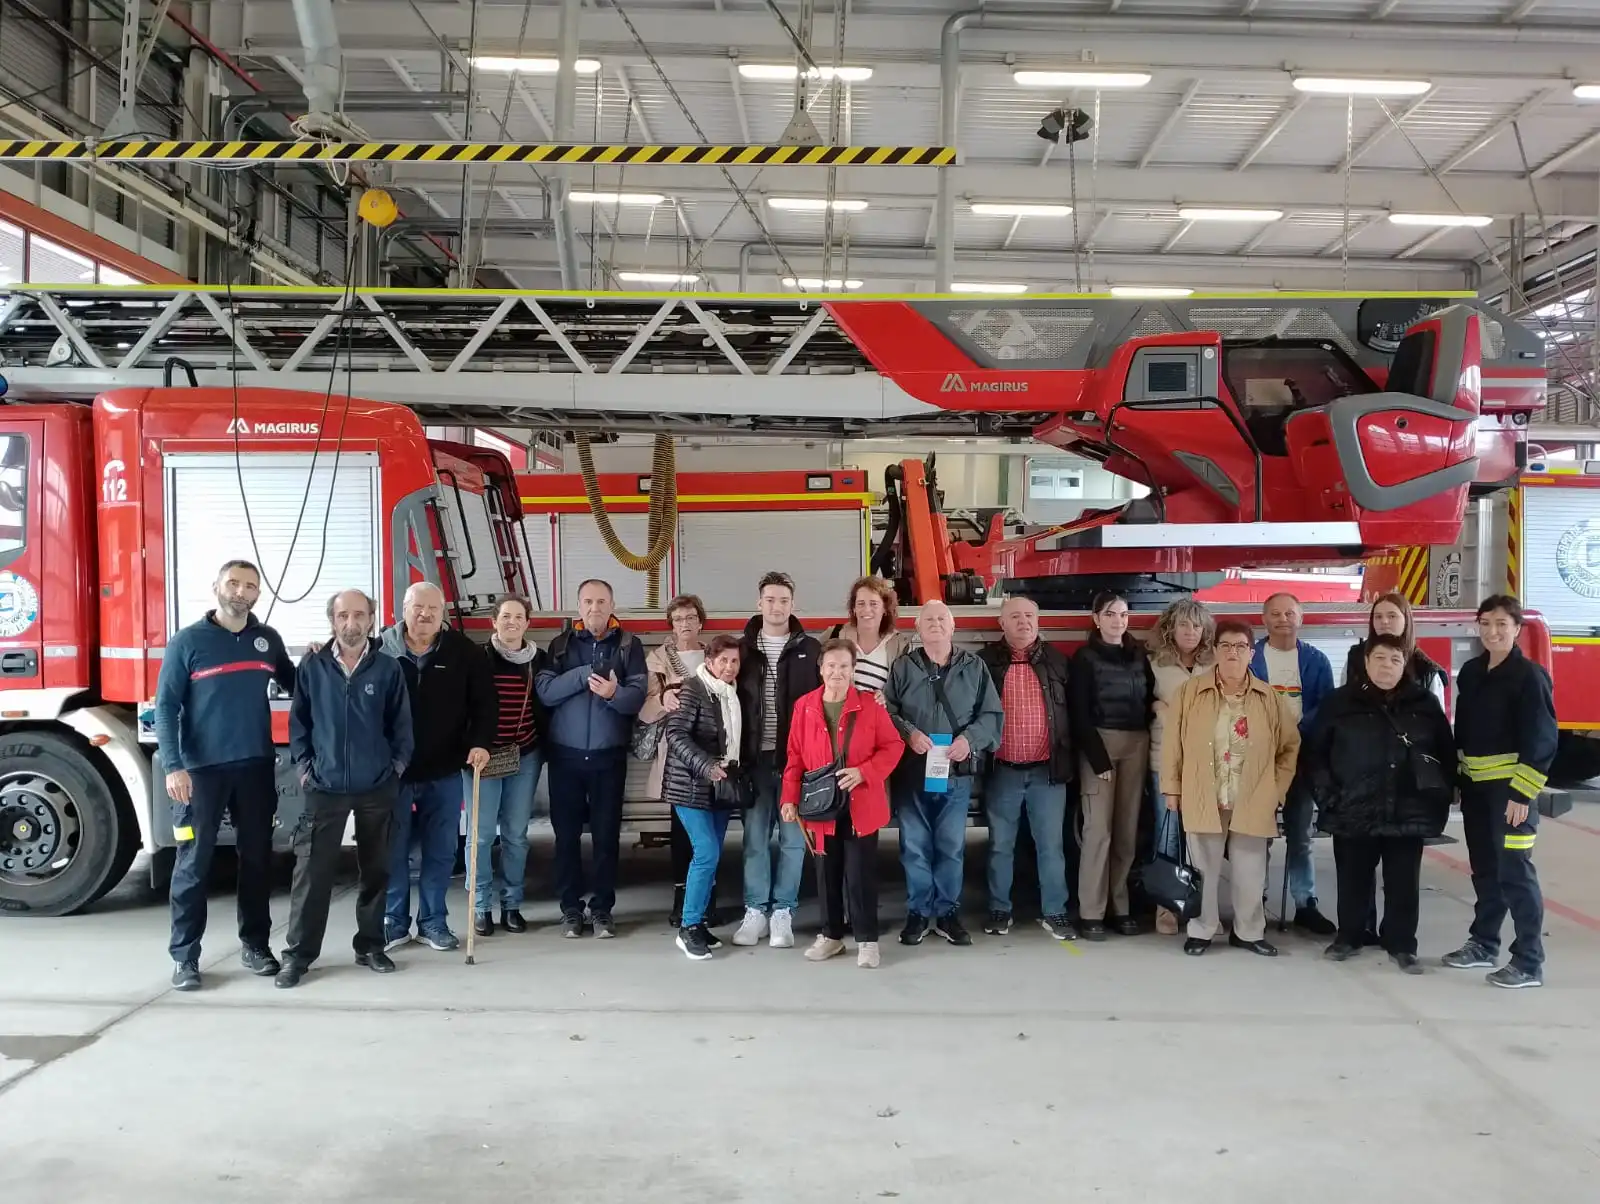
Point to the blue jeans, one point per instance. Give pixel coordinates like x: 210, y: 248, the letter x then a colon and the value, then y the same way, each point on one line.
x: 437, y: 821
x: 765, y: 889
x: 933, y: 843
x: 1012, y: 792
x: 505, y: 804
x: 706, y: 830
x: 1298, y: 812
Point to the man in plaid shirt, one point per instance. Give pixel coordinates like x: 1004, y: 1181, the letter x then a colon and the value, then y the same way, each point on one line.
x: 1031, y: 768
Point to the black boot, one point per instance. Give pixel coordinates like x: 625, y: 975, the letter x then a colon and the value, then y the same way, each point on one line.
x: 676, y: 917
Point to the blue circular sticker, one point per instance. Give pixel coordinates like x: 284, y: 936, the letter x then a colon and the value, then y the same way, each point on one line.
x: 19, y: 605
x: 1578, y: 558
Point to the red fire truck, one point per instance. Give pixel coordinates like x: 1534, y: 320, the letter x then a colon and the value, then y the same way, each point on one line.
x: 114, y: 519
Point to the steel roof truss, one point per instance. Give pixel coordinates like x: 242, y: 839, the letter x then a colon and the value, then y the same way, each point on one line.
x: 797, y: 342
x: 646, y: 333
x: 156, y: 329
x: 559, y: 336
x: 713, y: 328
x: 235, y: 331
x: 64, y: 323
x: 390, y: 327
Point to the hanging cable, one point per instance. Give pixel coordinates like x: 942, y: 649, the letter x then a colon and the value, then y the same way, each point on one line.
x: 1349, y: 166
x: 662, y: 526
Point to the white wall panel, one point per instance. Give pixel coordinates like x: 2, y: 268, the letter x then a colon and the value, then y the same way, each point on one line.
x: 583, y: 554
x: 721, y: 556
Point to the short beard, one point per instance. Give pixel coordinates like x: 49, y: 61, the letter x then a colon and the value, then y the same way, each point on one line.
x: 351, y: 642
x: 237, y: 607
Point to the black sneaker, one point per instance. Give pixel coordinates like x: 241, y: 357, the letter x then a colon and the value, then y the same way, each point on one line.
x: 1313, y: 921
x: 693, y: 943
x: 290, y: 975
x: 186, y: 977
x: 1094, y: 930
x: 1371, y: 940
x: 259, y: 962
x: 1513, y: 979
x: 1059, y: 927
x: 377, y: 961
x: 1471, y: 956
x: 1259, y: 948
x: 950, y: 927
x: 1123, y: 925
x: 998, y: 923
x: 713, y: 941
x: 512, y: 921
x: 572, y: 925
x: 483, y: 924
x: 1339, y: 951
x: 1195, y: 947
x: 916, y: 928
x: 604, y: 927
x: 1407, y: 962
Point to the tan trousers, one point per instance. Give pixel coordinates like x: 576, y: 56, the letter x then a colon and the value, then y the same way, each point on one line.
x: 1247, y: 870
x: 1111, y: 823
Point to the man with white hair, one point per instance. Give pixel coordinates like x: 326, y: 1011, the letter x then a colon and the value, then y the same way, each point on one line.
x: 454, y: 711
x: 944, y: 702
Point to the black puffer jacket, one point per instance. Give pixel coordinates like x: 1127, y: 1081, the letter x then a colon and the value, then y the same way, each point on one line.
x: 1380, y: 764
x: 1110, y: 687
x: 695, y: 739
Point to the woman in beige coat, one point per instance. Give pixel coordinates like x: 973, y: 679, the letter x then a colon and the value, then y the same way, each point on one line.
x: 1227, y: 760
x: 1180, y: 648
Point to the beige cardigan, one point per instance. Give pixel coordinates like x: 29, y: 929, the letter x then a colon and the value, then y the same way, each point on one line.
x: 659, y: 674
x: 1188, y: 761
x: 1171, y: 677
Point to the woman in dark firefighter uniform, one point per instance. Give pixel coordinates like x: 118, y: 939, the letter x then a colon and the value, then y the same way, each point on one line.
x: 1505, y: 740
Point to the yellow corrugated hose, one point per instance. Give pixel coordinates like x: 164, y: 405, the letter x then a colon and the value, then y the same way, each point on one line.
x: 662, y: 528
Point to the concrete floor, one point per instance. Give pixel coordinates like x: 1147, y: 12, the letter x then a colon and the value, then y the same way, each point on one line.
x: 1018, y: 1070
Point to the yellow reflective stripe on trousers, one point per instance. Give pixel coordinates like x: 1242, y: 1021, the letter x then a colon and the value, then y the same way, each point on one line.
x: 182, y: 834
x: 1520, y: 841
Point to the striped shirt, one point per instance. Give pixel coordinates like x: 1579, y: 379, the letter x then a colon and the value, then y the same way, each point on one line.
x: 515, y: 724
x: 772, y: 647
x: 872, y: 668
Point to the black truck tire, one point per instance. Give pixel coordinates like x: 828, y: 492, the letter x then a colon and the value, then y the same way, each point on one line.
x: 64, y: 838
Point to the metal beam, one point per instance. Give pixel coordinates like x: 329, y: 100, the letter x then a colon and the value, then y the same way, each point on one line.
x: 1177, y: 237
x: 644, y: 128
x: 1279, y: 124
x: 738, y: 100
x: 1520, y: 11
x: 1558, y: 161
x: 1423, y: 243
x: 1171, y: 123
x: 1499, y: 127
x: 133, y: 58
x: 1370, y: 222
x: 1378, y: 135
x: 1384, y: 9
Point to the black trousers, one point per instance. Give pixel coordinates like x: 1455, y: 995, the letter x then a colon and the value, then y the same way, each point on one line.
x: 1356, y: 859
x: 1503, y: 877
x: 588, y: 788
x: 848, y: 871
x: 248, y: 792
x: 317, y: 841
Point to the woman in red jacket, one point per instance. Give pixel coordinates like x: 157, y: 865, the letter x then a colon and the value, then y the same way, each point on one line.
x: 847, y: 846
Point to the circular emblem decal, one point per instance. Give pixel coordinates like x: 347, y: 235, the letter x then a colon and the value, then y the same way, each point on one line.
x: 1447, y: 581
x: 261, y: 643
x: 19, y: 604
x: 1578, y: 558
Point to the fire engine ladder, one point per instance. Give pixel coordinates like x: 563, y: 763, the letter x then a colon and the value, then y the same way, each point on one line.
x: 564, y: 361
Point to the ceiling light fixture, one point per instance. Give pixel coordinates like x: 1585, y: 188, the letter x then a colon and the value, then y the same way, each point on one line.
x: 833, y: 282
x: 1089, y: 78
x: 1019, y: 209
x: 816, y: 204
x: 1341, y: 86
x: 787, y: 71
x: 1474, y: 220
x: 615, y: 198
x: 985, y: 286
x: 658, y: 277
x: 530, y: 66
x: 1586, y: 92
x: 1200, y: 214
x: 1129, y: 292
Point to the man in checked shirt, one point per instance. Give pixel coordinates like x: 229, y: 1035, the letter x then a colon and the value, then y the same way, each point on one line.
x: 1031, y: 768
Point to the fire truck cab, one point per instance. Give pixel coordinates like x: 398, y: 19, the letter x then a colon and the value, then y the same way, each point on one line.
x: 114, y: 519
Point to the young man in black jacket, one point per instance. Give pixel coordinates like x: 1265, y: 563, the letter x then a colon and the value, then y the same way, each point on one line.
x: 780, y: 662
x: 1506, y: 737
x: 454, y: 711
x: 214, y: 729
x: 350, y: 736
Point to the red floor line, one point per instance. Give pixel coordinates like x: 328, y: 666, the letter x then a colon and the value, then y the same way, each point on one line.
x: 1572, y: 823
x: 1561, y: 909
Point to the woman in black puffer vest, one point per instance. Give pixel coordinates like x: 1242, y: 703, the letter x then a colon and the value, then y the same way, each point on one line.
x: 702, y: 738
x: 1380, y: 764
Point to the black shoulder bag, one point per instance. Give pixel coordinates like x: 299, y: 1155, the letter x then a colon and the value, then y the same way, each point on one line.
x: 820, y: 795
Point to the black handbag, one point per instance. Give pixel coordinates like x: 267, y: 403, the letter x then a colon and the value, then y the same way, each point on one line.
x: 734, y: 792
x: 1170, y: 882
x: 1429, y: 774
x: 821, y: 797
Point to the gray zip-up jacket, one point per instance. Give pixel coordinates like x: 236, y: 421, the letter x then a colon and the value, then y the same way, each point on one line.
x: 914, y: 704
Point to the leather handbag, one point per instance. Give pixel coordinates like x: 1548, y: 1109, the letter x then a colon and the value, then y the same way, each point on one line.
x: 506, y: 759
x: 821, y: 797
x: 645, y: 741
x: 1172, y: 881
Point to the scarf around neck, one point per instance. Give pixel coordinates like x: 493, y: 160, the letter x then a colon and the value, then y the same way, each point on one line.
x: 517, y: 656
x: 726, y: 697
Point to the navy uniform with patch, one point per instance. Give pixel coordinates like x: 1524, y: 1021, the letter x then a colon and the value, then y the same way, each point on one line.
x: 214, y: 721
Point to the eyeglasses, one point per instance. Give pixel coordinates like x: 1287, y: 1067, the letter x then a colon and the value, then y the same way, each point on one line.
x: 1232, y: 647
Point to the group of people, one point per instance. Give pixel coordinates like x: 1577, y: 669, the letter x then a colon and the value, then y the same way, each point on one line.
x: 1205, y: 739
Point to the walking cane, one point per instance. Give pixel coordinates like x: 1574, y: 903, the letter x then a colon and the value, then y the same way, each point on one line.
x: 472, y: 867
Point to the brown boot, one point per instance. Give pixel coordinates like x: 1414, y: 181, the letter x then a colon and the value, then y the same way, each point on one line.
x: 1166, y: 922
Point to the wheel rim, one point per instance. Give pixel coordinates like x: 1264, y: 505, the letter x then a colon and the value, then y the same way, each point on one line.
x: 41, y: 829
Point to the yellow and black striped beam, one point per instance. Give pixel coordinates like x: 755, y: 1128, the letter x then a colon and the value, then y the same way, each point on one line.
x: 213, y: 152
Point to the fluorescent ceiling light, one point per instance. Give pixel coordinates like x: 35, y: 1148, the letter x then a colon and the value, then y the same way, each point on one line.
x: 530, y: 66
x: 615, y: 198
x: 983, y: 286
x: 1085, y: 78
x: 1019, y: 209
x: 816, y: 204
x: 1586, y: 92
x: 1440, y: 219
x: 658, y: 277
x: 833, y: 282
x: 1341, y: 86
x: 1150, y: 291
x: 784, y: 71
x: 1190, y: 214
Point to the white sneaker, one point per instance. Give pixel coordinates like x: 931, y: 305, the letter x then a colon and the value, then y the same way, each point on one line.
x: 752, y: 928
x: 823, y: 948
x: 782, y: 928
x: 867, y: 955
